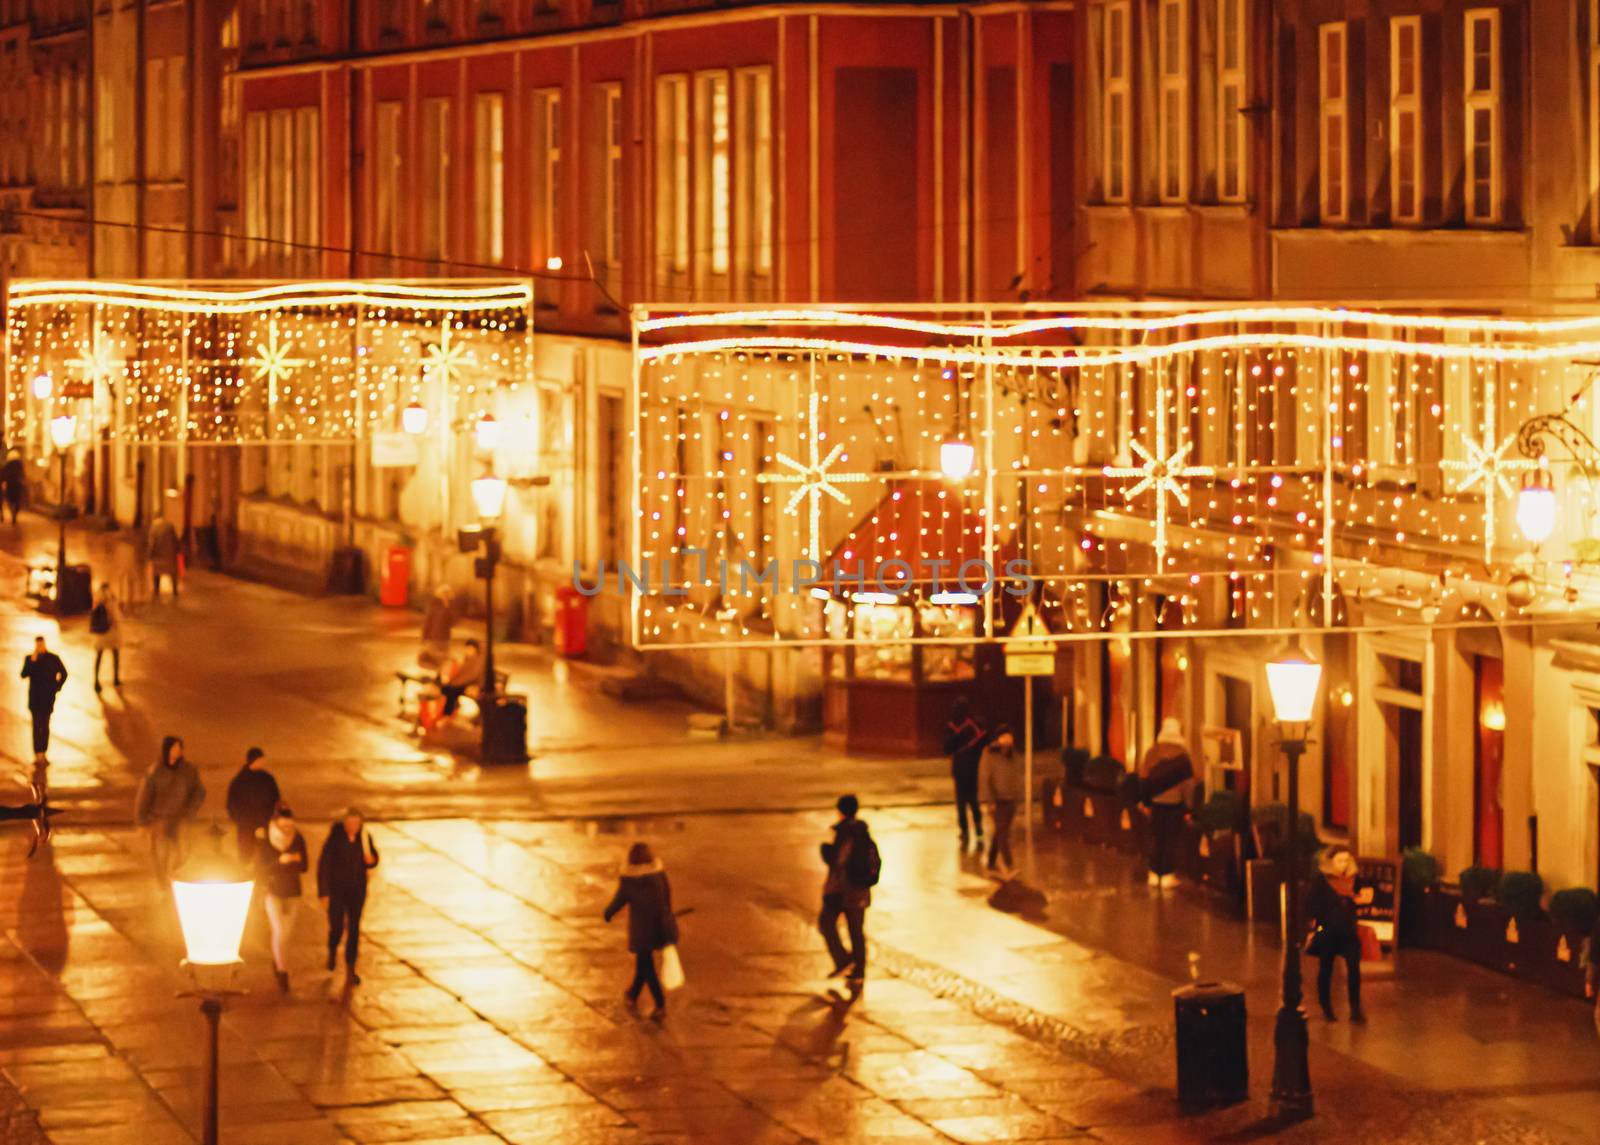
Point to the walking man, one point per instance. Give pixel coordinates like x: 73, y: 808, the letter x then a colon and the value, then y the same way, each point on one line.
x: 1166, y: 773
x: 105, y: 625
x: 169, y: 794
x: 164, y: 546
x: 964, y: 739
x: 1003, y: 782
x: 13, y: 483
x: 252, y: 797
x: 347, y: 856
x: 853, y: 869
x: 45, y: 674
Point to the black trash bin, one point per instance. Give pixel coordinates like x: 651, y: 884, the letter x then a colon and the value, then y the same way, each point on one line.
x: 1213, y: 1054
x: 75, y: 593
x: 505, y: 729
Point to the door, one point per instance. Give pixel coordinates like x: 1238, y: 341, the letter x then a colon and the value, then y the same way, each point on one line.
x: 1488, y: 742
x: 1407, y: 759
x: 1237, y: 714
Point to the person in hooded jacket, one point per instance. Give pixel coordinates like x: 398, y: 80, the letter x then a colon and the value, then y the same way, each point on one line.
x: 1167, y: 808
x: 169, y: 794
x: 347, y: 855
x: 643, y: 888
x: 280, y: 862
x: 844, y: 896
x: 964, y: 740
x: 1003, y: 782
x: 252, y: 797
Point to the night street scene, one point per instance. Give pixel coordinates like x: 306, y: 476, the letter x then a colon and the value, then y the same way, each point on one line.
x: 641, y: 572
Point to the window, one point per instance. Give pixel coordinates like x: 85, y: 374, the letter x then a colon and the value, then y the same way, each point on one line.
x: 1231, y: 100
x: 1172, y: 113
x: 488, y: 181
x: 434, y: 162
x: 1483, y: 115
x: 386, y: 178
x: 613, y: 174
x: 546, y: 174
x: 1594, y: 120
x: 1116, y: 112
x: 283, y: 182
x: 255, y: 193
x: 753, y: 221
x: 307, y: 186
x: 672, y: 176
x: 155, y: 115
x: 1405, y: 119
x: 1392, y: 397
x: 712, y: 239
x: 1334, y: 118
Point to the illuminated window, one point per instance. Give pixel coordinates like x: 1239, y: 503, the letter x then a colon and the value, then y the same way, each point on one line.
x: 155, y: 116
x: 1483, y: 175
x: 1405, y: 119
x: 546, y: 174
x: 754, y: 180
x: 1334, y: 119
x: 613, y: 174
x: 1116, y: 111
x: 434, y: 163
x: 1172, y: 111
x: 488, y: 184
x: 386, y: 177
x: 1231, y: 100
x: 712, y: 171
x: 672, y: 175
x: 307, y: 185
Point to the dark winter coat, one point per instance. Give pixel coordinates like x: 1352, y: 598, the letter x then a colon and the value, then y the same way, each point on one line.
x: 1159, y: 753
x: 252, y: 798
x: 847, y: 833
x: 45, y: 676
x: 13, y: 480
x: 277, y: 878
x: 964, y: 740
x: 343, y: 865
x: 1331, y: 911
x: 644, y: 890
x: 169, y: 793
x: 164, y: 547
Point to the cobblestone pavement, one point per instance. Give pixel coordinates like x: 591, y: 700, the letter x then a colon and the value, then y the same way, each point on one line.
x: 490, y: 1008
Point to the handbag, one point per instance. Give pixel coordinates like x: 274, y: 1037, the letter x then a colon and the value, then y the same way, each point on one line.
x: 1317, y: 942
x: 671, y: 972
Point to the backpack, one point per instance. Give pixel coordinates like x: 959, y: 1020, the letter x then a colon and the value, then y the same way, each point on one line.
x: 864, y: 865
x: 100, y: 619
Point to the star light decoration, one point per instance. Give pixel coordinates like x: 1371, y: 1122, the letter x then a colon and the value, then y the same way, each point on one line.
x: 446, y: 358
x: 272, y: 362
x: 1161, y: 471
x: 813, y: 480
x: 96, y: 360
x: 1487, y: 464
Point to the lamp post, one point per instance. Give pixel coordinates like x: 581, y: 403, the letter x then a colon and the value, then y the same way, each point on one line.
x: 1293, y: 678
x: 62, y: 430
x: 503, y: 731
x: 212, y: 913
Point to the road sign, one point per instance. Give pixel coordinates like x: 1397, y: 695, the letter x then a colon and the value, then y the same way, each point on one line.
x: 1031, y: 663
x: 1030, y: 625
x: 1026, y: 652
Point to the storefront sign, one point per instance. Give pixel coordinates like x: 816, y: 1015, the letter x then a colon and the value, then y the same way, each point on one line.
x: 1377, y: 895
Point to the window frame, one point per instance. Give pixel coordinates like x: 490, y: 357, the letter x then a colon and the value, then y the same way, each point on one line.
x: 752, y: 166
x: 388, y: 133
x: 433, y: 231
x: 713, y: 173
x: 1172, y: 102
x: 612, y: 157
x: 1402, y: 104
x: 488, y: 176
x: 547, y: 151
x: 1330, y: 109
x: 1232, y: 96
x: 672, y: 223
x: 1490, y: 101
x: 1116, y: 107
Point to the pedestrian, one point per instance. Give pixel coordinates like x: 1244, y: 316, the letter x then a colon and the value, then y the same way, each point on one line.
x: 1591, y: 980
x: 280, y: 862
x: 1166, y: 773
x: 465, y: 674
x: 126, y: 574
x: 643, y: 888
x: 252, y: 795
x: 45, y: 674
x: 854, y: 867
x: 964, y: 740
x: 437, y: 624
x: 169, y: 794
x: 1335, y: 933
x: 347, y: 855
x: 105, y: 625
x: 1003, y: 784
x: 163, y: 550
x: 13, y: 483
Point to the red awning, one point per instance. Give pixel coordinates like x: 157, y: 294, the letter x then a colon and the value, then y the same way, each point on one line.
x: 919, y: 521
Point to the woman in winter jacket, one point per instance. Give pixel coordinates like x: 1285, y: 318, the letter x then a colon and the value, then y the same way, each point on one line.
x: 644, y: 890
x: 1330, y: 905
x: 281, y: 860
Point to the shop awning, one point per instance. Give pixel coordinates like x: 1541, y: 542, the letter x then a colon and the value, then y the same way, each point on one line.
x: 917, y: 522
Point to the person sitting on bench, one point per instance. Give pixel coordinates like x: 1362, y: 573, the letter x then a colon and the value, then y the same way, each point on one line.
x: 464, y: 674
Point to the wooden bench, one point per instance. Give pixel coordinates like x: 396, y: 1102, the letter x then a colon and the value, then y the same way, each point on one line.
x: 425, y: 681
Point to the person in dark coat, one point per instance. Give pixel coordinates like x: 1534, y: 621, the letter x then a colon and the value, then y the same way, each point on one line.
x: 1331, y: 907
x: 844, y: 895
x: 964, y: 740
x: 169, y: 794
x: 1167, y: 808
x: 45, y: 674
x: 13, y: 483
x: 643, y: 888
x: 1003, y: 783
x: 281, y: 860
x: 164, y: 547
x: 347, y: 856
x: 252, y: 797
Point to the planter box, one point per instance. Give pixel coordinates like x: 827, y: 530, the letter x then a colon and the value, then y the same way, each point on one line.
x: 1262, y: 880
x: 1099, y: 817
x: 1482, y: 932
x: 1213, y: 861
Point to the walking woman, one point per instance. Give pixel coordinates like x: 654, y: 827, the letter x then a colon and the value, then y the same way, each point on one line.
x: 644, y: 890
x: 1331, y: 906
x: 281, y: 860
x: 105, y: 625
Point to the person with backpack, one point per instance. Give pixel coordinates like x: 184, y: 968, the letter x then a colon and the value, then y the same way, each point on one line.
x: 1166, y: 774
x: 105, y: 625
x: 964, y: 740
x: 854, y: 867
x: 1003, y: 783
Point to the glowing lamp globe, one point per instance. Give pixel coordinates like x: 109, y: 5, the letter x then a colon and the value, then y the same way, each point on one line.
x: 1293, y: 678
x: 212, y: 913
x: 489, y: 494
x: 1536, y: 510
x: 41, y: 386
x: 487, y: 432
x: 414, y: 419
x: 63, y: 430
x: 956, y: 458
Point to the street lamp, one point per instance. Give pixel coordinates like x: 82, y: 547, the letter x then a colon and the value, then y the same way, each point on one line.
x: 1293, y: 678
x: 414, y: 419
x: 487, y: 433
x: 62, y: 431
x: 212, y: 913
x: 956, y: 457
x: 502, y: 732
x: 42, y: 386
x: 1536, y: 508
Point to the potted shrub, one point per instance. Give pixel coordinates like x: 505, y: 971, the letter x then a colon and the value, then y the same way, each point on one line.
x: 1073, y: 762
x: 1212, y: 838
x: 1269, y: 824
x: 1102, y: 806
x: 1572, y: 916
x: 1420, y: 900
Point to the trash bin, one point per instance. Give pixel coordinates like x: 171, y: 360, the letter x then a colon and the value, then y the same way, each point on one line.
x: 1213, y: 1065
x: 505, y: 729
x: 572, y: 621
x: 75, y: 593
x: 346, y: 576
x: 394, y: 584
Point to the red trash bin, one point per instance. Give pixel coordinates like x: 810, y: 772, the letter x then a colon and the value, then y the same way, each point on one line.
x: 394, y: 586
x: 572, y: 621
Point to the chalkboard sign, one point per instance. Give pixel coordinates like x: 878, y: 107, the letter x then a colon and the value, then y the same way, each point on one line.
x: 1377, y: 896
